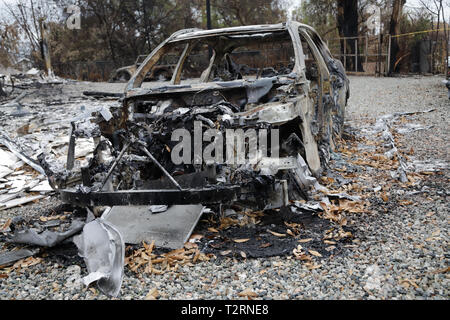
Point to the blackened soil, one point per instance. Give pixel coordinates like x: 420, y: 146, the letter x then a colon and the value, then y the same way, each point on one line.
x: 262, y: 243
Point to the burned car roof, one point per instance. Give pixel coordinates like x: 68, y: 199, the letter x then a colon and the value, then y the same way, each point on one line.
x: 198, y: 33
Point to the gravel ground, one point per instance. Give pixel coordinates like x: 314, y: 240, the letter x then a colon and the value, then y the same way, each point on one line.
x: 400, y: 252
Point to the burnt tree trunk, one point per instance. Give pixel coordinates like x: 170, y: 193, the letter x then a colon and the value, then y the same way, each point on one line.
x: 394, y: 29
x: 447, y: 37
x: 147, y: 26
x: 347, y: 23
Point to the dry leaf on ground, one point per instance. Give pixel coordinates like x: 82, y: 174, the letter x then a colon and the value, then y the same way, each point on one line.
x: 190, y: 245
x: 314, y: 253
x: 152, y: 294
x: 248, y: 293
x: 6, y: 225
x: 289, y: 232
x: 407, y: 282
x: 240, y: 240
x: 312, y: 266
x: 226, y: 252
x: 195, y: 237
x: 277, y: 234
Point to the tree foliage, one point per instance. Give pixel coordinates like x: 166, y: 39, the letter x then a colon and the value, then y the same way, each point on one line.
x: 117, y: 31
x: 320, y: 14
x: 9, y: 44
x: 228, y: 13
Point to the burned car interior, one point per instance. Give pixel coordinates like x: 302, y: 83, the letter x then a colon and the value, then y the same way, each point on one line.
x: 275, y: 87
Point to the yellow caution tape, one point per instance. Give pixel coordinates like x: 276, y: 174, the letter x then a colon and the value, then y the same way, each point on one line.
x: 417, y: 32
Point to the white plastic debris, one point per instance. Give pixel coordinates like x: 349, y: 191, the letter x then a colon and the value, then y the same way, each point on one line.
x: 106, y: 114
x: 102, y: 247
x: 157, y: 208
x: 33, y: 72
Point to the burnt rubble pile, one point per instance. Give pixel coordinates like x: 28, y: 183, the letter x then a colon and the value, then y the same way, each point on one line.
x: 36, y: 119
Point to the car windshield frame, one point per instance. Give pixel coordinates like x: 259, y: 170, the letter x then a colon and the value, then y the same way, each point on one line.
x: 189, y: 40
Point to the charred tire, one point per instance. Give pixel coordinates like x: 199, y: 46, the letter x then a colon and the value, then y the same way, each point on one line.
x: 125, y: 76
x: 122, y: 76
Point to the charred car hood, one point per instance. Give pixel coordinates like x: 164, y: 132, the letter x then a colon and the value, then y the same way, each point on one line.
x: 255, y: 88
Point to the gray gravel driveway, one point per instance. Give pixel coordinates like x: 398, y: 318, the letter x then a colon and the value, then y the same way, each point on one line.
x: 399, y: 250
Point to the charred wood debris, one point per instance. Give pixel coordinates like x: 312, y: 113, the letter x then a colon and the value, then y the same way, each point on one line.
x: 94, y: 153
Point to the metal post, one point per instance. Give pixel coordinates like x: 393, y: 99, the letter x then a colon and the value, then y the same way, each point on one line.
x: 71, y: 151
x: 208, y: 24
x: 345, y: 54
x: 367, y: 50
x: 447, y: 55
x: 208, y: 15
x: 379, y: 55
x: 356, y: 55
x: 388, y: 70
x: 380, y: 39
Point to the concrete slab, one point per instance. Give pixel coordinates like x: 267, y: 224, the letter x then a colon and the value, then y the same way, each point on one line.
x: 170, y: 229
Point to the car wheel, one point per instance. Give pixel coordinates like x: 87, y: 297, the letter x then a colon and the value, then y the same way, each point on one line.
x: 123, y: 77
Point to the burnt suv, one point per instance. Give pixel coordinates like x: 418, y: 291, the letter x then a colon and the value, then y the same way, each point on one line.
x: 163, y: 71
x: 277, y: 87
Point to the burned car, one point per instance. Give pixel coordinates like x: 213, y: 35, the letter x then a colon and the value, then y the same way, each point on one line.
x: 163, y: 71
x: 250, y: 115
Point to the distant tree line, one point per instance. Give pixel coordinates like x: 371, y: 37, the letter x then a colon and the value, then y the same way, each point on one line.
x: 117, y: 31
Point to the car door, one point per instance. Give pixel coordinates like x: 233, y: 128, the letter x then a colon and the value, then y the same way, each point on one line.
x: 321, y: 91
